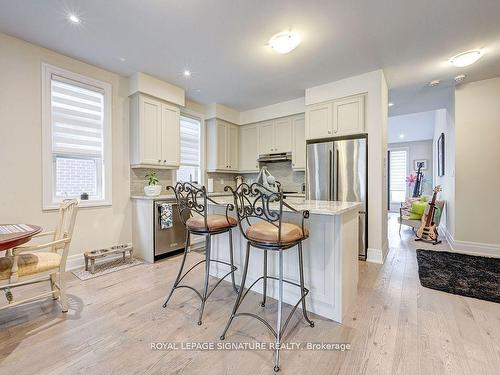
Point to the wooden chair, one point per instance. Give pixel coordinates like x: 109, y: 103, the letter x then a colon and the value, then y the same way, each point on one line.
x: 25, y: 265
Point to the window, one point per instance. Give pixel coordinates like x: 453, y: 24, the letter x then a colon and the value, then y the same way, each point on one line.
x: 190, y: 167
x: 398, y: 172
x: 76, y: 138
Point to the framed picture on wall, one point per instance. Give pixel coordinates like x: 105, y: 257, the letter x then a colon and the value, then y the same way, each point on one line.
x: 440, y: 155
x: 420, y: 162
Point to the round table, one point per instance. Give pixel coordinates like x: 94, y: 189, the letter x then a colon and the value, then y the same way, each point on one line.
x: 12, y: 235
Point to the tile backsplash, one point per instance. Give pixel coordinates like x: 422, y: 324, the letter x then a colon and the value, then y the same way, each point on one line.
x: 138, y: 181
x: 290, y: 180
x: 221, y: 180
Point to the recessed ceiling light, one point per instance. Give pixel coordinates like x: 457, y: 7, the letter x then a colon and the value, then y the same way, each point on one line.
x: 401, y: 136
x: 284, y: 42
x: 466, y: 58
x: 122, y: 59
x: 390, y: 104
x: 434, y: 83
x: 460, y: 78
x: 187, y: 73
x: 74, y: 18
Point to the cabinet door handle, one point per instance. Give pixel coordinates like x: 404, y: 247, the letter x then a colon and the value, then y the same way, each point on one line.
x: 164, y: 161
x: 329, y: 132
x: 159, y: 160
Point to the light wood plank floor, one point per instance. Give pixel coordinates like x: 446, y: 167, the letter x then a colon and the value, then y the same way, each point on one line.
x: 396, y: 327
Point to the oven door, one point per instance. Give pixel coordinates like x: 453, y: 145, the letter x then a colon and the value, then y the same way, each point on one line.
x: 170, y: 239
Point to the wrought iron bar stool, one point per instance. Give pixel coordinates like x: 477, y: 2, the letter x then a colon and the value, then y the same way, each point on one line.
x: 260, y: 213
x: 192, y: 205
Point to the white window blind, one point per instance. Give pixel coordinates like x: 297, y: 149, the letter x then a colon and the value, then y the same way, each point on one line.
x: 77, y: 119
x: 398, y: 173
x: 190, y: 134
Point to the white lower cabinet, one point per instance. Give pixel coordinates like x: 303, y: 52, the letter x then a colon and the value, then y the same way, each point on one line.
x: 154, y: 133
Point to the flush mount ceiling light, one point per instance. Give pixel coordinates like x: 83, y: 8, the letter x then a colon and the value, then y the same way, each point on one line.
x: 284, y: 42
x: 434, y: 83
x: 466, y: 58
x: 74, y: 18
x: 390, y: 104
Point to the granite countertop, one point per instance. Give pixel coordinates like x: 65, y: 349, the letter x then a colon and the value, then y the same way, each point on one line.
x: 314, y: 207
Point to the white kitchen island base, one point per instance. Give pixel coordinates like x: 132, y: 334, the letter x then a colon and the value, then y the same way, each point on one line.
x: 330, y: 258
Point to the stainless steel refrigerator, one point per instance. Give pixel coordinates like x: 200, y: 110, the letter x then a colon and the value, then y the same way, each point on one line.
x: 337, y: 171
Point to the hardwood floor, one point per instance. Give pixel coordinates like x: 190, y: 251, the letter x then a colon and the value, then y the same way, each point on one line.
x: 396, y: 327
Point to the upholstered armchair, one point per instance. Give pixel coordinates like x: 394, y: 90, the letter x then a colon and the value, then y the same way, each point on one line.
x: 25, y: 265
x: 405, y: 210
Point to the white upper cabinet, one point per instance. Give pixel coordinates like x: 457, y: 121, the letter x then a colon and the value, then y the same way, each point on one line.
x: 349, y: 116
x: 222, y: 146
x: 275, y: 136
x: 319, y: 121
x: 283, y: 135
x: 299, y: 144
x: 266, y: 137
x: 336, y: 118
x: 249, y: 148
x: 155, y: 137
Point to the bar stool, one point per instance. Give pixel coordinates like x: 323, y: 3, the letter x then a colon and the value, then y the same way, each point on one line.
x: 192, y: 205
x: 261, y: 224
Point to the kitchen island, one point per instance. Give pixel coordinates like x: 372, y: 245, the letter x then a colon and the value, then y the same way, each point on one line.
x: 330, y: 256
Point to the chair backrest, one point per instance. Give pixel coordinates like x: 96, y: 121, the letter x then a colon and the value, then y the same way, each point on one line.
x: 64, y: 230
x: 190, y: 200
x: 253, y: 202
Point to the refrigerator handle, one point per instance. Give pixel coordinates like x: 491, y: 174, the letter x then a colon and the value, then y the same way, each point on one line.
x: 330, y: 168
x: 337, y: 174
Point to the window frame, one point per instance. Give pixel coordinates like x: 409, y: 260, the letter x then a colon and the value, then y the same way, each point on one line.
x: 185, y: 112
x: 407, y: 151
x: 49, y: 200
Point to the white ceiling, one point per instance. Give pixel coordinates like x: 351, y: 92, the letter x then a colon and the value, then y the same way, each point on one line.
x: 223, y: 43
x: 413, y: 127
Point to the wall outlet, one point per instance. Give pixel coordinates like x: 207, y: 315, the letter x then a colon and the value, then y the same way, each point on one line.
x: 222, y: 181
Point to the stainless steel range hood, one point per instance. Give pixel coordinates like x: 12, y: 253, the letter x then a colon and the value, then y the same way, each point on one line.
x: 270, y: 158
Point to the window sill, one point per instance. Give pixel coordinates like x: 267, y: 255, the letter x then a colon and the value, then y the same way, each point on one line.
x: 81, y: 204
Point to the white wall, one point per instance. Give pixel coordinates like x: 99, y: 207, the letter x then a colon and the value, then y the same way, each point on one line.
x: 444, y: 124
x: 414, y: 127
x: 374, y: 85
x: 20, y: 147
x: 477, y: 165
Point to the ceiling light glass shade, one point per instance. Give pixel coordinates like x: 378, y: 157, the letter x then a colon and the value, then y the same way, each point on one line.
x: 284, y: 42
x: 73, y: 18
x: 466, y: 58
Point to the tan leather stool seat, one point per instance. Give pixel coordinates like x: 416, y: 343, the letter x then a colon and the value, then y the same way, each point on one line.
x: 266, y: 232
x: 29, y: 263
x: 214, y: 222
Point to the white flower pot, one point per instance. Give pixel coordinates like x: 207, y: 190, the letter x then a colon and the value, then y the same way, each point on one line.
x: 152, y: 190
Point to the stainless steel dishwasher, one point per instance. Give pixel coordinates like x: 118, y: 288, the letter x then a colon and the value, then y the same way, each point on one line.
x: 169, y: 239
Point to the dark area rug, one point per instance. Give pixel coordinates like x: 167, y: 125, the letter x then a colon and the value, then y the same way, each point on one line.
x: 466, y: 275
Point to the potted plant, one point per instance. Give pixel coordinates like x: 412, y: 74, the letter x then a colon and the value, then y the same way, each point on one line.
x: 153, y: 188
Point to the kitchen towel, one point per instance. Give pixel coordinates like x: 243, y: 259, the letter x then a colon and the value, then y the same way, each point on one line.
x: 166, y: 218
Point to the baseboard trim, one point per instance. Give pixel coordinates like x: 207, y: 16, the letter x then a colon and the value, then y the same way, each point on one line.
x: 375, y: 256
x: 472, y: 248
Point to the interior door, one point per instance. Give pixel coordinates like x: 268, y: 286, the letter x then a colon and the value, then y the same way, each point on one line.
x: 283, y: 135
